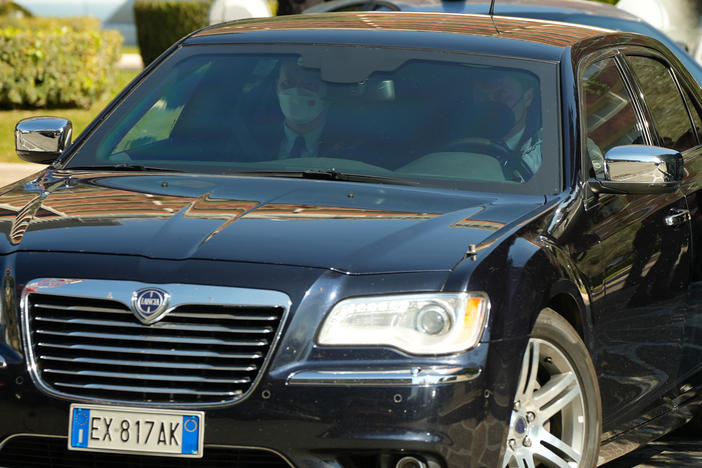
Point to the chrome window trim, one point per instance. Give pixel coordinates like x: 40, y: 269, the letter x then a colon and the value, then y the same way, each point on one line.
x: 181, y: 295
x: 4, y: 442
x: 413, y: 377
x: 675, y: 74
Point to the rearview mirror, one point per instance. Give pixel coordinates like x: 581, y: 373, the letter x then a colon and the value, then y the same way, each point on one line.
x: 42, y: 139
x: 640, y: 169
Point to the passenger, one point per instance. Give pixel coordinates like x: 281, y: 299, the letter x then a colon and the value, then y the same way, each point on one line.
x: 302, y: 97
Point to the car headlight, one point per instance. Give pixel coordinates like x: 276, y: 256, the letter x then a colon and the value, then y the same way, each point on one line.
x: 420, y: 324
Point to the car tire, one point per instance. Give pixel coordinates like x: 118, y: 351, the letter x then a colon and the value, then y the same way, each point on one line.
x: 557, y: 413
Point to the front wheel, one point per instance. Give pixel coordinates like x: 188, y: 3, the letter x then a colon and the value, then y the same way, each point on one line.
x: 556, y: 414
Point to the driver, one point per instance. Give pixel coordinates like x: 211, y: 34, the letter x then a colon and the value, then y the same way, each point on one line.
x: 517, y: 92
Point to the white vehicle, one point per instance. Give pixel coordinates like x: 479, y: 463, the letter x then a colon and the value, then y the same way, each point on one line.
x: 227, y: 10
x: 679, y: 19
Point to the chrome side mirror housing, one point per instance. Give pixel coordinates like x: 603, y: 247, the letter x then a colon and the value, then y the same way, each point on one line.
x: 42, y: 139
x: 640, y: 169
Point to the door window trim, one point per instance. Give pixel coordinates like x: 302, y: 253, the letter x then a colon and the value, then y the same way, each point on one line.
x: 673, y: 73
x: 639, y: 111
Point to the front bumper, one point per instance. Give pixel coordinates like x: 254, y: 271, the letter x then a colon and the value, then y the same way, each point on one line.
x: 317, y: 418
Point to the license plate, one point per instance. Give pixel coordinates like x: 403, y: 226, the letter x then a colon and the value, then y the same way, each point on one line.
x: 136, y: 430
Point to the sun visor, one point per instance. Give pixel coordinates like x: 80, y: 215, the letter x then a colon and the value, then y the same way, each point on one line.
x: 349, y: 64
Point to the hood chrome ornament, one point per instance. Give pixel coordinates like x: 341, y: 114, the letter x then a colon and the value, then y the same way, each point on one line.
x: 150, y: 304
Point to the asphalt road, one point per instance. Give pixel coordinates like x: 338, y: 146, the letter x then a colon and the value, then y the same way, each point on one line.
x: 10, y: 172
x: 680, y: 449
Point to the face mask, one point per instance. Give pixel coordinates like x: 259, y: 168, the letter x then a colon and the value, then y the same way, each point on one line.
x: 300, y: 106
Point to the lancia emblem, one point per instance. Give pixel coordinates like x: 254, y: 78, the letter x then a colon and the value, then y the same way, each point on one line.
x: 150, y: 304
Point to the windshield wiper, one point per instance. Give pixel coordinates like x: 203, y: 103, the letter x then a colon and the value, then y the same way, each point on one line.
x: 333, y: 174
x: 330, y: 174
x: 122, y: 167
x: 326, y: 174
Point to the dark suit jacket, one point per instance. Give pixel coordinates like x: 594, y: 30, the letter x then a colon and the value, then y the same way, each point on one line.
x: 336, y: 140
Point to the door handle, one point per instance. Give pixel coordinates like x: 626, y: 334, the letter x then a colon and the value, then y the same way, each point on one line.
x: 677, y: 218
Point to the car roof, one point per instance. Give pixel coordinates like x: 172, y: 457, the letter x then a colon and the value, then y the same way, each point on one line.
x: 583, y: 12
x: 534, y: 38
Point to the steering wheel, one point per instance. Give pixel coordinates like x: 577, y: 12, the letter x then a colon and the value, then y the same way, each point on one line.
x: 513, y: 166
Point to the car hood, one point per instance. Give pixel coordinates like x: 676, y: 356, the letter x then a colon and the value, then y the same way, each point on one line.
x: 349, y: 227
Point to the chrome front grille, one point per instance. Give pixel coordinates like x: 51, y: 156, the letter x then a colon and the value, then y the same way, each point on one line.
x: 89, y: 345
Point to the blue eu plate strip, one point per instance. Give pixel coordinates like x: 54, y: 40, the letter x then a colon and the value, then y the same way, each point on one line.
x: 191, y: 434
x: 81, y: 431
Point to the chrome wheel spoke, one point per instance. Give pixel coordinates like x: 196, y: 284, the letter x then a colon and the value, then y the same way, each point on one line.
x: 553, y: 390
x: 529, y: 461
x: 550, y: 458
x: 518, y: 459
x: 561, y: 446
x: 559, y: 403
x: 529, y: 373
x: 509, y: 457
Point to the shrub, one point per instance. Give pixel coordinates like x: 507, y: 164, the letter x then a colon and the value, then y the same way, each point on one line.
x: 12, y: 9
x: 74, y: 23
x: 56, y: 63
x: 160, y: 23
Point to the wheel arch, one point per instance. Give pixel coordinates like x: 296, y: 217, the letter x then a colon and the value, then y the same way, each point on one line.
x: 566, y: 292
x: 566, y: 307
x: 568, y: 295
x: 566, y: 304
x: 524, y: 275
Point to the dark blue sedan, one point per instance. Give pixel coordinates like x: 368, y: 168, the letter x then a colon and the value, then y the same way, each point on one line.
x: 374, y: 239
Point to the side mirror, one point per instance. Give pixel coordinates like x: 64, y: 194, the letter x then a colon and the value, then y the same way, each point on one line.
x: 640, y: 169
x: 42, y: 139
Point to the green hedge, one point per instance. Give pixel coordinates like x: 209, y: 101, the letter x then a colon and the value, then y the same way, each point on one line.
x: 11, y: 8
x: 56, y: 63
x: 74, y: 23
x: 160, y: 23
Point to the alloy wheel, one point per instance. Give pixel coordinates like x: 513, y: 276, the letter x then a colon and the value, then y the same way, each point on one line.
x: 548, y: 423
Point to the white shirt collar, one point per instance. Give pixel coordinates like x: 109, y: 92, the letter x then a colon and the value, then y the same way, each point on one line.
x: 513, y: 141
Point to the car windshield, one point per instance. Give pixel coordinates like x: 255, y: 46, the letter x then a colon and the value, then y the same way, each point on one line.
x: 366, y: 114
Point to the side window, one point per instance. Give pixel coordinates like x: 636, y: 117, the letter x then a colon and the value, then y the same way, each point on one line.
x: 158, y: 121
x: 694, y: 112
x: 665, y: 102
x: 156, y: 125
x: 608, y: 114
